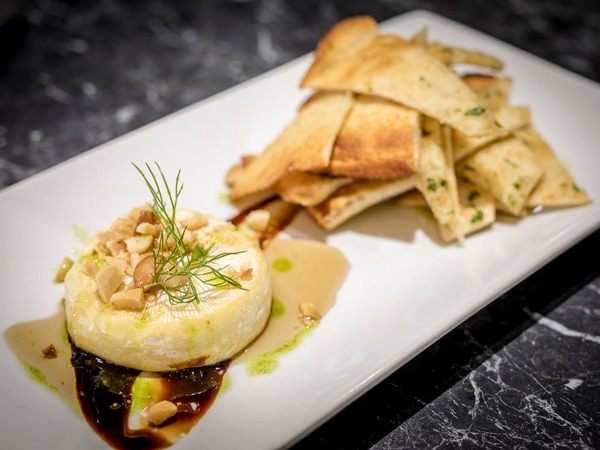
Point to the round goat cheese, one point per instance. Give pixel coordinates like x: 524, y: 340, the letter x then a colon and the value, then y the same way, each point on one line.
x: 130, y: 301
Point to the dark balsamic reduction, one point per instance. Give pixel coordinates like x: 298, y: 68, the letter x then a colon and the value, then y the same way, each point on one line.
x: 104, y: 394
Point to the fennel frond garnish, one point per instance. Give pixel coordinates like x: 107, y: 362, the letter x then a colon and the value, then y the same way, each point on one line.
x: 177, y: 266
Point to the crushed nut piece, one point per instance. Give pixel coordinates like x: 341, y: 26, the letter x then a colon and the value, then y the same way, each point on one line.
x: 115, y: 247
x: 121, y: 261
x: 310, y: 310
x: 160, y: 412
x: 258, y: 220
x: 128, y: 299
x: 108, y: 279
x: 90, y: 269
x: 143, y: 273
x: 148, y: 228
x: 49, y: 352
x: 66, y: 264
x: 192, y: 221
x: 145, y: 216
x: 138, y: 244
x: 246, y: 274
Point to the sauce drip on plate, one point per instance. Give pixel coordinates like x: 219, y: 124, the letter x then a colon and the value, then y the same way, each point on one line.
x: 105, y: 396
x: 113, y: 399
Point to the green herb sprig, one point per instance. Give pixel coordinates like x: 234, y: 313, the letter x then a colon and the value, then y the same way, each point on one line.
x: 177, y: 267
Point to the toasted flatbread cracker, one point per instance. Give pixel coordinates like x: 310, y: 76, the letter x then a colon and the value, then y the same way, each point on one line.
x: 557, y: 188
x: 235, y: 171
x: 507, y: 168
x: 308, y: 189
x: 477, y: 211
x: 393, y: 68
x: 421, y: 37
x: 451, y: 55
x: 305, y: 144
x: 354, y: 198
x: 493, y: 90
x: 455, y: 55
x: 379, y: 139
x: 510, y: 117
x: 341, y: 41
x: 514, y: 117
x: 435, y: 178
x: 252, y: 200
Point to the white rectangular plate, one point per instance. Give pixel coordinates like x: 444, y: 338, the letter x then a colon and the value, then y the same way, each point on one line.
x: 404, y: 290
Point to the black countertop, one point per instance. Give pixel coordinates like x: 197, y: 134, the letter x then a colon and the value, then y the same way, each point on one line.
x: 522, y: 373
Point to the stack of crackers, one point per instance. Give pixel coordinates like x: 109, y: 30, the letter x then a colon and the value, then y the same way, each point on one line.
x: 389, y: 117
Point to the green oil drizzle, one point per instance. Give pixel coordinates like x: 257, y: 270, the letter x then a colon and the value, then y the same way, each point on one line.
x: 141, y: 394
x: 277, y: 309
x: 37, y: 376
x: 282, y: 264
x: 267, y: 363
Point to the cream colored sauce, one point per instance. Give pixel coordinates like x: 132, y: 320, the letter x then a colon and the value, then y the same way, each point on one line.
x: 315, y: 272
x: 29, y: 339
x: 302, y: 271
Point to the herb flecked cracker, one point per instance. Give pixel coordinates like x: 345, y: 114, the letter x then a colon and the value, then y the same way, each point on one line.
x: 411, y: 127
x: 393, y: 68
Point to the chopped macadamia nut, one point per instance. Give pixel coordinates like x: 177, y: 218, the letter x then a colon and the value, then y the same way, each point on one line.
x: 188, y: 237
x: 144, y: 216
x: 66, y: 264
x: 111, y: 235
x: 246, y: 274
x: 144, y: 272
x: 90, y: 269
x: 123, y: 225
x: 121, y: 261
x: 115, y: 247
x: 148, y: 228
x: 310, y: 310
x: 258, y: 220
x: 128, y: 299
x: 191, y: 220
x: 160, y: 412
x: 108, y: 279
x: 138, y: 244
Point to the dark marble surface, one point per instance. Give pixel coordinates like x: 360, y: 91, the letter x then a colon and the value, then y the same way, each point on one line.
x: 523, y: 373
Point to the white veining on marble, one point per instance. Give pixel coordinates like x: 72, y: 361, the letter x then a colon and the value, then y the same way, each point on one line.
x: 89, y: 89
x: 573, y: 383
x: 565, y: 331
x: 126, y: 113
x: 594, y: 288
x: 266, y: 50
x: 57, y: 94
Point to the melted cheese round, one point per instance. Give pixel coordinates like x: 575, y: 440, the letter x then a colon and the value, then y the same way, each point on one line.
x: 162, y: 335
